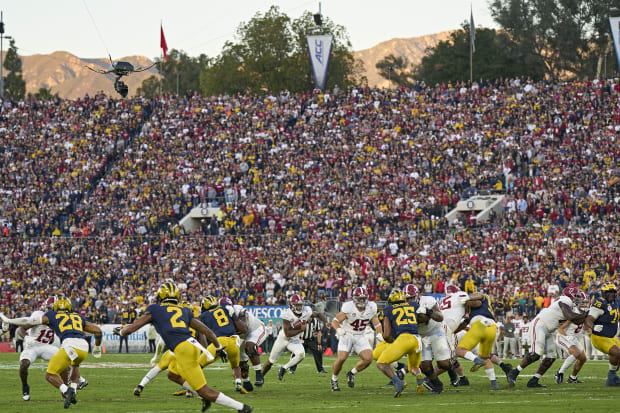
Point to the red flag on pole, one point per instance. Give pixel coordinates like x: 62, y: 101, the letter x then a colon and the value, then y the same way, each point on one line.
x: 162, y: 44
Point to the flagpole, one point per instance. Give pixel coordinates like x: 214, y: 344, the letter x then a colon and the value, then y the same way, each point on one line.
x: 161, y: 57
x: 471, y: 46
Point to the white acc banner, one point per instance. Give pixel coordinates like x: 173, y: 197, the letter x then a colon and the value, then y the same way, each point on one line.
x: 615, y: 31
x: 137, y: 341
x: 320, y: 48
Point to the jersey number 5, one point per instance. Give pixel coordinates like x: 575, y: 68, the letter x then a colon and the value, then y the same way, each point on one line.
x: 405, y: 316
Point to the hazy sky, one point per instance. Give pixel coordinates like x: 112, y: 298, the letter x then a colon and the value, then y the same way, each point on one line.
x: 131, y: 27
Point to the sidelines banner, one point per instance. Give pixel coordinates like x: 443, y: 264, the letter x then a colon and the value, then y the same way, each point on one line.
x: 615, y: 32
x: 268, y: 312
x: 138, y: 343
x: 320, y: 48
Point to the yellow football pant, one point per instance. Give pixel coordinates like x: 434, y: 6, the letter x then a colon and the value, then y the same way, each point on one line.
x: 480, y: 334
x: 185, y: 363
x: 60, y: 361
x: 604, y: 344
x: 406, y: 344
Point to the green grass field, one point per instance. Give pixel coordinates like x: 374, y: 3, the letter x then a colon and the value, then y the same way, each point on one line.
x: 111, y: 387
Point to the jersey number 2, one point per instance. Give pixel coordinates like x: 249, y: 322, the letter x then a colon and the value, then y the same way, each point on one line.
x: 174, y: 320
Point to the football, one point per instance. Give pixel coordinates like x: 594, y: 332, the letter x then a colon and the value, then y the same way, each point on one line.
x: 297, y: 324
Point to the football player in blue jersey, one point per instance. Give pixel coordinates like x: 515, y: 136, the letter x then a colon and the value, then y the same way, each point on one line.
x: 400, y: 328
x: 70, y: 327
x: 482, y: 331
x: 602, y: 321
x: 173, y: 323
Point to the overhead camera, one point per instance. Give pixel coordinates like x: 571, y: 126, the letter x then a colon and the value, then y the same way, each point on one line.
x: 121, y: 88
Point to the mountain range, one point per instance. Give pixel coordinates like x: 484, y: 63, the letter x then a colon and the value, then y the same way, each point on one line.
x: 67, y: 74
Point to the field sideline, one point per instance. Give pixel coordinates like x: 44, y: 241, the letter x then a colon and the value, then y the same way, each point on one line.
x: 113, y: 378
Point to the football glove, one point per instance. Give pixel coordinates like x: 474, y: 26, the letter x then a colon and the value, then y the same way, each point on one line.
x: 339, y: 332
x: 429, y: 312
x: 4, y: 318
x: 97, y: 352
x: 221, y: 353
x: 117, y: 330
x: 379, y: 338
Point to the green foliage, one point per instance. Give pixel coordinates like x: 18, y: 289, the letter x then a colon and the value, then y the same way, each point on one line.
x: 396, y: 70
x: 44, y: 94
x: 564, y: 37
x: 14, y: 84
x: 150, y: 87
x: 182, y: 71
x: 496, y: 56
x: 271, y: 54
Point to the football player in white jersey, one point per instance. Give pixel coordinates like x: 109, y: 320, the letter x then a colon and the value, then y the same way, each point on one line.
x: 525, y: 335
x: 294, y: 321
x: 453, y: 309
x: 39, y: 342
x: 249, y: 345
x: 542, y: 332
x: 570, y: 337
x: 350, y: 325
x: 434, y: 341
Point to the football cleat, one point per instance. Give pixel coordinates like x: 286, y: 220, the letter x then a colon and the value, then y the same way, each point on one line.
x: 478, y: 362
x: 534, y: 383
x: 335, y: 385
x: 612, y: 379
x: 399, y: 386
x: 25, y: 392
x: 69, y: 397
x: 454, y: 378
x: 240, y: 389
x: 351, y: 379
x: 506, y: 367
x: 494, y: 385
x: 573, y: 381
x: 260, y: 379
x: 281, y: 373
x: 205, y: 405
x: 180, y: 392
x: 138, y: 390
x: 463, y: 381
x: 419, y: 384
x: 400, y: 374
x: 82, y: 384
x: 512, y: 377
x: 248, y: 385
x: 189, y: 394
x: 245, y: 409
x: 559, y: 377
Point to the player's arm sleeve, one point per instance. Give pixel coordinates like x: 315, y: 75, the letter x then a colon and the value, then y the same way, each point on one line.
x: 33, y: 320
x: 595, y: 312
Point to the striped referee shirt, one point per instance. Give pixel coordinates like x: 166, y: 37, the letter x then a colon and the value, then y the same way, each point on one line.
x: 311, y: 328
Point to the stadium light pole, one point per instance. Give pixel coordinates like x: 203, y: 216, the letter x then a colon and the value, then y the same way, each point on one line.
x: 1, y: 62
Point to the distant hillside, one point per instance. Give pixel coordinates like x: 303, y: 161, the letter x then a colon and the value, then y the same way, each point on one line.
x: 413, y: 48
x: 67, y: 75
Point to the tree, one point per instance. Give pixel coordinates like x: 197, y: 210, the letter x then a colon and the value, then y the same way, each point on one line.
x: 150, y: 87
x: 395, y: 69
x: 496, y: 56
x: 565, y: 37
x: 271, y: 54
x: 14, y: 84
x: 179, y: 71
x: 44, y: 94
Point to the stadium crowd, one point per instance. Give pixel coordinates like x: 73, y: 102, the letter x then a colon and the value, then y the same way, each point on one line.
x: 315, y: 193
